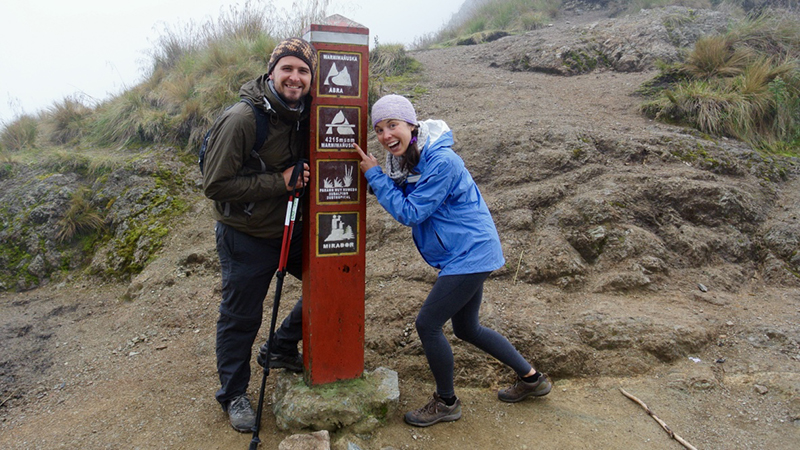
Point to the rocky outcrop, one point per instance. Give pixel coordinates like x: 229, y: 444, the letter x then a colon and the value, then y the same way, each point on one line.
x: 588, y: 41
x: 60, y: 218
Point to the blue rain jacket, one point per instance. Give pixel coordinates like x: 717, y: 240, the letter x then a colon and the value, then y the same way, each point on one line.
x: 450, y: 222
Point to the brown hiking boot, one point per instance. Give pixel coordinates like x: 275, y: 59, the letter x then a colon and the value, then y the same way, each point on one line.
x: 521, y: 389
x: 434, y: 412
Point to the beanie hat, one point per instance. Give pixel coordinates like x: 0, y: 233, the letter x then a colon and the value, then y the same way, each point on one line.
x: 297, y: 47
x: 393, y: 107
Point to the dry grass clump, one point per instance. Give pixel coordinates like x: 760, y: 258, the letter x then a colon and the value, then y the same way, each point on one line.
x: 66, y: 121
x: 744, y: 84
x: 195, y: 72
x: 389, y: 64
x: 20, y: 134
x: 80, y: 218
x: 508, y: 15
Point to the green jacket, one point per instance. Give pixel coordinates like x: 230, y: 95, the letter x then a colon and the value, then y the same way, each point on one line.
x: 232, y: 176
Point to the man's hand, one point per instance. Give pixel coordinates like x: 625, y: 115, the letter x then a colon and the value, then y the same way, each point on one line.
x: 301, y: 180
x: 367, y: 161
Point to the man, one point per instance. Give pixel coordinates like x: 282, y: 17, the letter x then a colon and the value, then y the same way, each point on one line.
x: 250, y: 194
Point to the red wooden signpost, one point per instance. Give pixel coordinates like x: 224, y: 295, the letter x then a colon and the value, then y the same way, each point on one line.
x: 335, y: 208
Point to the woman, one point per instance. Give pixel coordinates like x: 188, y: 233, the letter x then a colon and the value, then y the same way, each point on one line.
x: 429, y: 189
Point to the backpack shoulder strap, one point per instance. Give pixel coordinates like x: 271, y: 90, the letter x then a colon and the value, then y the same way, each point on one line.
x: 262, y: 126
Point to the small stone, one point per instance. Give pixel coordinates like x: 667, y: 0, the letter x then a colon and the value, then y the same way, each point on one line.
x: 319, y: 440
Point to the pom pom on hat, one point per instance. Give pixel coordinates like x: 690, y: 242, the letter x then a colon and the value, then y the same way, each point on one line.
x: 393, y: 107
x: 297, y: 47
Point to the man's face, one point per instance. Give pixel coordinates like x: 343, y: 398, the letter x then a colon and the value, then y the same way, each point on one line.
x: 292, y: 79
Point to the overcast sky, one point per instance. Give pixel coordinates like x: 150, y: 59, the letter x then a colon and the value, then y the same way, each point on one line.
x: 51, y: 49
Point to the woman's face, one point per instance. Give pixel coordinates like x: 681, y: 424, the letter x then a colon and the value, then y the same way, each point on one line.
x: 394, y: 135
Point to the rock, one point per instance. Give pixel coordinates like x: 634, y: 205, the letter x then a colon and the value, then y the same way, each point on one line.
x: 711, y: 299
x: 664, y: 341
x: 37, y: 267
x: 630, y: 45
x: 319, y: 440
x: 359, y: 405
x: 553, y: 259
x: 622, y: 281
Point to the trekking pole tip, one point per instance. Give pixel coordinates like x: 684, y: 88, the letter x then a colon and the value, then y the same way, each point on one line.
x: 254, y: 443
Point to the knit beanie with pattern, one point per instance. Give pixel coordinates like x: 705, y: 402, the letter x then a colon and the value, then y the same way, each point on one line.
x: 393, y: 106
x: 297, y: 47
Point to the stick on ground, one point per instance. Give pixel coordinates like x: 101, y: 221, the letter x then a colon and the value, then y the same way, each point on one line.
x: 8, y: 398
x: 660, y: 422
x: 519, y: 263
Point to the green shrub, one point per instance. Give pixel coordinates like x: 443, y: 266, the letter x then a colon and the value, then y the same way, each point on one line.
x: 6, y: 164
x: 786, y: 97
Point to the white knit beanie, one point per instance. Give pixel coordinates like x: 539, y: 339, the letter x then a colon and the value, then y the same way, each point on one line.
x: 393, y: 106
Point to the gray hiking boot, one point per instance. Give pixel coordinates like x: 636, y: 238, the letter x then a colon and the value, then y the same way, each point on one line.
x: 520, y: 390
x: 241, y: 414
x: 434, y: 412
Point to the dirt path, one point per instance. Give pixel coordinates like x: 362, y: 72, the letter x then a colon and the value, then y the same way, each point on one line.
x: 84, y: 367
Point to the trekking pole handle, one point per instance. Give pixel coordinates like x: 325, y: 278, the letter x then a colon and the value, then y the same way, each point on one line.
x: 299, y: 166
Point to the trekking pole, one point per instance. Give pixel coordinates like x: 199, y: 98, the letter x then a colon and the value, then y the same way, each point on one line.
x: 288, y: 228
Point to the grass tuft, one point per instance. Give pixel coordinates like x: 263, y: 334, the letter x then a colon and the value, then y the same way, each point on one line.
x: 20, y: 134
x: 81, y: 218
x: 743, y: 84
x: 67, y: 121
x: 715, y: 56
x: 389, y: 63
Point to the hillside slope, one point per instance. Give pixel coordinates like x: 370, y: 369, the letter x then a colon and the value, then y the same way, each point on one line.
x: 639, y: 255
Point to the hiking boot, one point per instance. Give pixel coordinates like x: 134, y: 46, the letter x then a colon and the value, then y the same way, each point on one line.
x: 241, y: 414
x: 292, y: 363
x: 434, y: 412
x: 522, y: 389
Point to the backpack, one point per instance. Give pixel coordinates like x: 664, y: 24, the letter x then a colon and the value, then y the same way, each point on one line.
x: 262, y: 130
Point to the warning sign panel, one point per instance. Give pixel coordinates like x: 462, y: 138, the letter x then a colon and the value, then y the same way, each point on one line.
x: 337, y: 234
x: 337, y: 127
x: 337, y: 181
x: 340, y: 74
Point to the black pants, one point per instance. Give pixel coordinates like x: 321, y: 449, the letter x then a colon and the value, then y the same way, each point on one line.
x: 458, y: 298
x: 248, y: 264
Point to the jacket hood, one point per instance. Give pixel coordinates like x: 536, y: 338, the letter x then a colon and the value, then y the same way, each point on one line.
x: 438, y: 134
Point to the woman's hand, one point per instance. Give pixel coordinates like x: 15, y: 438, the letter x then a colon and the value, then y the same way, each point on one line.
x: 367, y: 161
